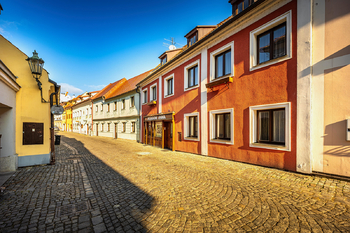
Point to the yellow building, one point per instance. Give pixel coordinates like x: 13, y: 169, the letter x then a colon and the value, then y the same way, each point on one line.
x: 34, y: 122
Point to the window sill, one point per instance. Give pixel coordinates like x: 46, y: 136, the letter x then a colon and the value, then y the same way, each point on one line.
x: 219, y: 81
x: 191, y: 88
x: 166, y: 96
x: 153, y: 102
x: 191, y: 138
x: 269, y: 146
x: 271, y: 62
x: 230, y: 142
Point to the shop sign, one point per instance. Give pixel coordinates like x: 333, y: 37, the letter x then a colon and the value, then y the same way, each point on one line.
x: 159, y: 118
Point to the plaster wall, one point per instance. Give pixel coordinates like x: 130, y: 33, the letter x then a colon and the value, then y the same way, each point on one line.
x: 28, y: 109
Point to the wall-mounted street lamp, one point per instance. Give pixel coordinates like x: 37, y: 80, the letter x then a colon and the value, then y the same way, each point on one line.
x: 36, y: 65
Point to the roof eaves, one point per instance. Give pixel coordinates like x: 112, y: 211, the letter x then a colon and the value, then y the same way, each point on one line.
x: 220, y: 27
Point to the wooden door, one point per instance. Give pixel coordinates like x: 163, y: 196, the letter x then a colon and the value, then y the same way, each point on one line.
x: 150, y: 134
x: 168, y: 135
x: 115, y: 131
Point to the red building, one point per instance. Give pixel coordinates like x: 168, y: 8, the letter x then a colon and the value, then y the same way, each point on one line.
x: 231, y: 91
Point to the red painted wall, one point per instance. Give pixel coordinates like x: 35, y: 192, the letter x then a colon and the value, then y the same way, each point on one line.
x: 269, y: 85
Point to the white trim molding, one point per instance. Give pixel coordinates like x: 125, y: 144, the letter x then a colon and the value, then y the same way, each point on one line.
x: 212, y: 61
x: 287, y: 18
x: 172, y: 76
x: 253, y: 126
x: 186, y: 128
x: 143, y: 96
x: 213, y: 126
x: 193, y: 64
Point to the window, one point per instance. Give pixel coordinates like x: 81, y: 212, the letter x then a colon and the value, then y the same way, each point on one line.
x: 33, y: 133
x: 223, y: 64
x: 101, y: 127
x: 241, y: 5
x: 271, y: 42
x: 144, y: 96
x: 163, y: 60
x: 123, y: 103
x: 192, y: 40
x: 169, y: 86
x: 108, y: 127
x: 115, y: 106
x: 101, y: 107
x: 153, y: 92
x: 270, y: 126
x: 132, y: 127
x: 221, y: 126
x: 96, y: 108
x: 108, y: 107
x: 123, y: 127
x: 191, y: 126
x: 191, y: 75
x: 132, y: 101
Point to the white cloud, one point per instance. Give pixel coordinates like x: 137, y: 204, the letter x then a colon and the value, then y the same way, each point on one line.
x: 96, y: 87
x: 71, y: 89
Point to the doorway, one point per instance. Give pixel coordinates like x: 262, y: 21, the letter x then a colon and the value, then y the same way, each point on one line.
x: 115, y: 130
x: 168, y: 135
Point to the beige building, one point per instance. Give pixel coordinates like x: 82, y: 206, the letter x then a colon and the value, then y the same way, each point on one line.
x: 323, y: 87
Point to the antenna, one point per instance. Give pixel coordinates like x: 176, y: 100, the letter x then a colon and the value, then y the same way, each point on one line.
x: 172, y: 45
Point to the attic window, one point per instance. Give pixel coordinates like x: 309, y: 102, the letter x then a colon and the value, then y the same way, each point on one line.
x: 163, y: 60
x: 192, y: 40
x: 240, y: 5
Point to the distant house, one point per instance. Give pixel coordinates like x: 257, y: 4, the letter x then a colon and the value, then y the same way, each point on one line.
x: 116, y: 109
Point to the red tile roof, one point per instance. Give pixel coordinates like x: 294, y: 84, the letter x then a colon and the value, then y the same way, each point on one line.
x: 126, y: 86
x: 106, y: 89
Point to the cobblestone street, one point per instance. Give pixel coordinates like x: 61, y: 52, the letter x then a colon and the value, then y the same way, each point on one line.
x: 107, y: 185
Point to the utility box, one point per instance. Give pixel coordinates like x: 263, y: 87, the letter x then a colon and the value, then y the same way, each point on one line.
x: 348, y: 130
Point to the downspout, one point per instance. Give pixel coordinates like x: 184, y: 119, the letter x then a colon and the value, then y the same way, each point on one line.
x: 140, y: 116
x: 57, y: 88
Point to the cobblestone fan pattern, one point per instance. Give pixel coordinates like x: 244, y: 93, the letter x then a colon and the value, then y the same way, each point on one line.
x: 105, y: 185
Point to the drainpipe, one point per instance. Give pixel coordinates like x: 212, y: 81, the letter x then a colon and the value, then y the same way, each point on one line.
x: 140, y: 116
x: 52, y: 132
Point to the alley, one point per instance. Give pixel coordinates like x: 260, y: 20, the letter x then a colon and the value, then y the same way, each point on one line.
x: 106, y: 185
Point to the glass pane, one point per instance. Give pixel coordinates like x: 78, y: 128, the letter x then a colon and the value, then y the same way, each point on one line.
x: 227, y: 126
x: 240, y: 7
x: 191, y: 122
x: 246, y: 3
x: 170, y: 86
x: 279, y: 42
x: 195, y: 70
x: 220, y: 126
x: 264, y: 48
x: 279, y: 126
x: 264, y: 126
x: 195, y: 126
x: 190, y: 77
x: 219, y: 66
x: 228, y: 63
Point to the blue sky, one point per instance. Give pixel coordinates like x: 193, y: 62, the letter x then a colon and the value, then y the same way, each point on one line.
x: 89, y: 44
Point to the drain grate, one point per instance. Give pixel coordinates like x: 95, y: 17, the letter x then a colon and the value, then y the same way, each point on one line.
x: 73, y: 208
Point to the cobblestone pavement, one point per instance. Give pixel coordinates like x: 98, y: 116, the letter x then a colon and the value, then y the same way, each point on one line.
x: 105, y: 185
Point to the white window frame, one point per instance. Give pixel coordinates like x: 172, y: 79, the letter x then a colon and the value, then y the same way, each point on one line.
x: 193, y: 64
x: 286, y: 17
x: 123, y: 128
x: 133, y: 122
x: 186, y: 126
x: 151, y: 93
x: 143, y: 96
x: 101, y: 127
x: 96, y: 108
x: 172, y: 76
x: 101, y: 107
x: 253, y: 126
x: 213, y: 126
x: 212, y: 61
x: 123, y: 104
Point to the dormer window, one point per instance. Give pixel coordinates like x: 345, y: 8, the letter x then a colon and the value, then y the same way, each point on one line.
x: 240, y: 5
x: 163, y: 60
x: 192, y: 40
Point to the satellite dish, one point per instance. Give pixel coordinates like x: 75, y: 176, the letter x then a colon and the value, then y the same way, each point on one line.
x: 172, y: 47
x: 57, y: 110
